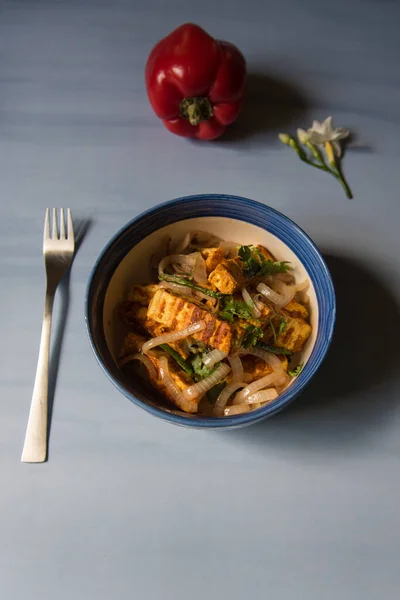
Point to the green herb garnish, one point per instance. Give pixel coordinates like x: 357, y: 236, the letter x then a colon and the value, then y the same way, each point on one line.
x: 252, y: 336
x: 230, y: 308
x: 274, y: 349
x: 252, y: 264
x: 190, y: 284
x: 269, y: 267
x: 296, y: 371
x: 256, y: 265
x: 201, y: 371
x: 177, y: 358
x: 282, y: 326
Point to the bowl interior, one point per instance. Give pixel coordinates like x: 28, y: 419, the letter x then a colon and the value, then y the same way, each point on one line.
x: 135, y: 268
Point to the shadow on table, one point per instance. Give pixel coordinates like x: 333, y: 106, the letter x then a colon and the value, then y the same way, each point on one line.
x: 81, y: 229
x: 271, y: 105
x: 350, y: 397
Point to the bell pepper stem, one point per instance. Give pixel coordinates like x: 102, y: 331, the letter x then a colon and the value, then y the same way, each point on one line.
x: 194, y: 114
x: 196, y: 110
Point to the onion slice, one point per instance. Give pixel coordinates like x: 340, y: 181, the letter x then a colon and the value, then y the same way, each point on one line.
x: 277, y: 299
x: 184, y: 243
x: 286, y: 292
x: 199, y: 389
x: 199, y: 272
x: 229, y: 248
x: 258, y: 302
x: 144, y: 359
x: 277, y: 375
x: 185, y: 262
x: 248, y: 299
x: 236, y: 410
x: 213, y: 357
x: 175, y: 287
x: 166, y: 338
x: 237, y: 368
x: 271, y: 359
x: 259, y: 384
x: 204, y: 240
x: 183, y: 290
x: 262, y: 396
x: 185, y: 404
x: 224, y: 396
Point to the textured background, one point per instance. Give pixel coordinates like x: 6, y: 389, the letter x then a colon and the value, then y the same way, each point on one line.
x: 304, y: 505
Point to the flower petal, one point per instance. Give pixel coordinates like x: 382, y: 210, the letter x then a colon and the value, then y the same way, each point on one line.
x: 327, y: 125
x: 303, y: 136
x: 341, y: 133
x: 315, y: 137
x: 317, y: 127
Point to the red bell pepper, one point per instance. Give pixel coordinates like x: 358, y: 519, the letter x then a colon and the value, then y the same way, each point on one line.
x: 195, y: 83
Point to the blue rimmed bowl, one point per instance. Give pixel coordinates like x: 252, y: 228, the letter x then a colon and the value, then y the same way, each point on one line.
x: 125, y: 260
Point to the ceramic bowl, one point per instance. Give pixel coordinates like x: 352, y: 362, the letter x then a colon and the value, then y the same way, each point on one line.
x: 125, y: 260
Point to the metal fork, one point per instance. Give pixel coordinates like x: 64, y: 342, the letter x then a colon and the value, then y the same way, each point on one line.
x: 58, y: 250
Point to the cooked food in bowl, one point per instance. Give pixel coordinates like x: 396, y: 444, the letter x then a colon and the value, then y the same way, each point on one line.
x: 220, y: 330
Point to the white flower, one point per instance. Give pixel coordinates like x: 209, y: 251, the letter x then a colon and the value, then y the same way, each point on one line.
x: 323, y: 132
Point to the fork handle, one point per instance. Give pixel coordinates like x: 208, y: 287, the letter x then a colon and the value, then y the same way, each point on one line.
x: 35, y: 445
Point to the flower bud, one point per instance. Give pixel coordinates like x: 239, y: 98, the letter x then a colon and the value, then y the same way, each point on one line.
x: 285, y: 138
x: 303, y: 136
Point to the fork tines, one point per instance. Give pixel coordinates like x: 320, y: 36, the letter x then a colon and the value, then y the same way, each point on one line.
x: 65, y: 231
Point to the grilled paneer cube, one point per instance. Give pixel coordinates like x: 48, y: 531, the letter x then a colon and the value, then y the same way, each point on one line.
x: 255, y: 368
x: 213, y: 257
x: 294, y: 336
x: 133, y: 313
x: 133, y: 343
x: 177, y: 313
x: 266, y: 253
x: 228, y: 277
x: 142, y: 294
x: 295, y: 309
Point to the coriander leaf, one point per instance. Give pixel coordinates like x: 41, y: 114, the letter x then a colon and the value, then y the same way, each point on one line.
x: 269, y: 267
x: 201, y: 371
x: 215, y: 391
x: 282, y: 326
x: 256, y: 265
x: 252, y: 266
x: 274, y: 349
x: 177, y: 358
x: 190, y: 284
x: 296, y: 371
x: 230, y: 308
x: 252, y: 336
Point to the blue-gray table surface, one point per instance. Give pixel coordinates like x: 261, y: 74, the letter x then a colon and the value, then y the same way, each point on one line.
x: 304, y: 505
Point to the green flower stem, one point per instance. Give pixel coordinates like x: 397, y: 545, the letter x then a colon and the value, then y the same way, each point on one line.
x: 338, y: 174
x: 315, y: 152
x: 335, y: 172
x: 336, y: 168
x: 309, y: 162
